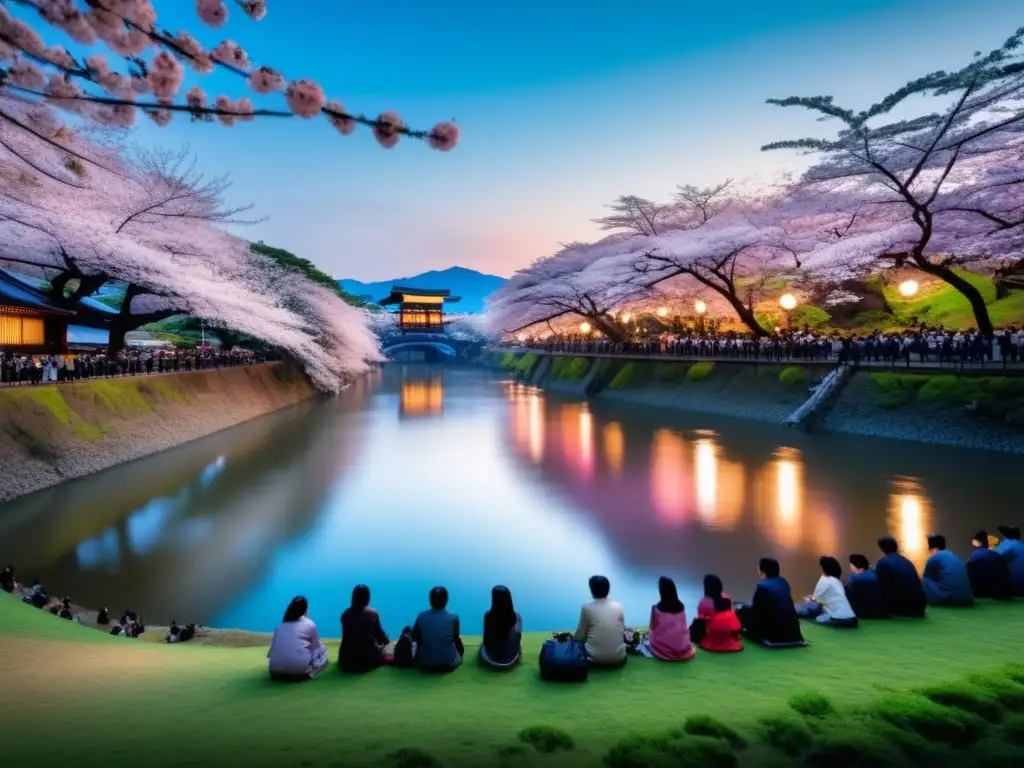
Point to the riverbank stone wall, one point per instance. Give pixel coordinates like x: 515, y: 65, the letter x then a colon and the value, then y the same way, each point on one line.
x: 53, y: 433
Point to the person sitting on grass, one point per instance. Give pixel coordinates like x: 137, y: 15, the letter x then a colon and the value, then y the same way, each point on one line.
x: 988, y: 571
x: 1012, y: 550
x: 713, y: 589
x: 771, y: 617
x: 65, y: 609
x: 503, y: 632
x: 7, y: 580
x: 602, y: 627
x: 828, y: 603
x: 36, y: 595
x: 863, y: 590
x: 295, y: 650
x: 902, y: 593
x: 724, y: 631
x: 945, y: 580
x: 436, y: 635
x: 669, y: 636
x: 363, y: 639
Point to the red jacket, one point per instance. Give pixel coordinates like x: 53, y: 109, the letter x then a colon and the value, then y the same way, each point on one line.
x: 723, y: 633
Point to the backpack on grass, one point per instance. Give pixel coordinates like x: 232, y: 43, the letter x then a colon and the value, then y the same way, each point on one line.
x: 563, y: 662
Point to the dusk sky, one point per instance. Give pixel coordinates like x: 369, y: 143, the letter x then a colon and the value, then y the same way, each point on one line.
x: 563, y: 106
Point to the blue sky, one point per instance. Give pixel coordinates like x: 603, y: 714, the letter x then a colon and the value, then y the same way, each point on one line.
x: 563, y: 106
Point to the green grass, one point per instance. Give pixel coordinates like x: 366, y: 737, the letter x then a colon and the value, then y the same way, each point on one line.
x: 700, y: 371
x: 993, y: 398
x: 569, y: 368
x: 793, y: 376
x: 623, y: 377
x: 105, y: 699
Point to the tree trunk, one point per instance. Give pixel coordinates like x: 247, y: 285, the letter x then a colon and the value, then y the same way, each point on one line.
x: 609, y: 329
x: 743, y: 312
x: 117, y: 339
x: 972, y: 294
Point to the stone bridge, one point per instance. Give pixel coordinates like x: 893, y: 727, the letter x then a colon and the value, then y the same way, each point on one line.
x: 438, y: 345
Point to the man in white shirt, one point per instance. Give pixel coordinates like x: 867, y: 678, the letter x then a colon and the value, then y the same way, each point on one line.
x: 602, y: 627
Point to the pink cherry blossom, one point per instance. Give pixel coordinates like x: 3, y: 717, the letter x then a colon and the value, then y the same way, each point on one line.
x: 195, y: 54
x: 25, y: 74
x: 104, y: 23
x: 165, y: 76
x: 213, y: 13
x: 387, y: 129
x: 160, y: 116
x: 64, y: 94
x: 244, y: 108
x: 224, y: 104
x: 340, y: 119
x: 64, y: 14
x: 7, y: 52
x: 117, y: 85
x: 305, y: 98
x: 266, y: 80
x: 254, y: 9
x: 129, y: 42
x: 444, y: 137
x: 229, y: 52
x: 195, y: 97
x: 58, y: 55
x: 22, y: 36
x: 115, y: 115
x: 97, y: 64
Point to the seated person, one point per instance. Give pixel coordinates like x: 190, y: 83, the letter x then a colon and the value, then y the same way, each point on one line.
x: 723, y: 629
x: 503, y: 632
x: 863, y: 590
x: 706, y: 607
x: 602, y: 627
x: 771, y: 616
x: 103, y: 617
x: 436, y: 636
x: 828, y: 603
x: 945, y: 580
x: 988, y: 571
x: 363, y: 639
x: 669, y: 638
x: 7, y: 580
x: 296, y: 650
x: 902, y: 593
x: 65, y: 609
x: 36, y: 595
x: 1012, y: 550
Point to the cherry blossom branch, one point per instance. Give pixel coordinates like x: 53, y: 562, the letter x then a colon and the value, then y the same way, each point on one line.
x: 52, y: 143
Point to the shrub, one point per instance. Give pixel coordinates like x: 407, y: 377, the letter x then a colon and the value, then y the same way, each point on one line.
x: 671, y: 372
x: 700, y: 371
x: 1014, y: 672
x: 508, y: 360
x: 967, y: 697
x: 524, y: 365
x: 811, y: 704
x: 809, y: 315
x: 1009, y: 693
x: 569, y: 368
x: 512, y: 750
x: 1013, y: 729
x: 851, y: 746
x: 624, y: 377
x: 411, y: 757
x: 578, y: 368
x: 793, y: 375
x: 702, y: 725
x: 785, y: 733
x: 665, y: 751
x: 544, y: 738
x: 932, y: 721
x: 894, y: 390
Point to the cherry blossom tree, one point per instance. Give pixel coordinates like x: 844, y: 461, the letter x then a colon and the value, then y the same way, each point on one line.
x: 152, y: 71
x: 937, y: 191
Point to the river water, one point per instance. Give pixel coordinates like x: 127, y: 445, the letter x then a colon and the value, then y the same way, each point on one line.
x: 420, y: 476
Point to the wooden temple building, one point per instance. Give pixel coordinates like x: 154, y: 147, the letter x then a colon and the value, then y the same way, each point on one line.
x: 419, y: 310
x: 30, y: 323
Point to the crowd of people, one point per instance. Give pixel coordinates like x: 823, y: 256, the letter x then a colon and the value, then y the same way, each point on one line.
x: 18, y: 369
x: 926, y: 345
x: 892, y: 588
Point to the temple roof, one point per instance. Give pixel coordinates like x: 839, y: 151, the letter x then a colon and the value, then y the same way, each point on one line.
x: 18, y: 293
x: 399, y: 292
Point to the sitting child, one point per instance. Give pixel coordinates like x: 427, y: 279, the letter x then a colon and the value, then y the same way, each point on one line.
x: 723, y: 629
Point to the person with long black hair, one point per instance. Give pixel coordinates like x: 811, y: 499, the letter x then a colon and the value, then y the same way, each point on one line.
x: 713, y: 589
x: 295, y: 650
x: 669, y: 638
x: 503, y: 632
x: 362, y: 638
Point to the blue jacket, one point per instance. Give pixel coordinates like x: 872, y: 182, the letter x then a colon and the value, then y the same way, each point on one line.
x: 946, y: 581
x: 902, y: 593
x: 1013, y: 552
x: 990, y: 574
x: 772, y: 616
x: 865, y: 595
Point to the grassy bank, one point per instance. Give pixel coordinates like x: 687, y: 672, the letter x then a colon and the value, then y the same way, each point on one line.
x: 73, y: 695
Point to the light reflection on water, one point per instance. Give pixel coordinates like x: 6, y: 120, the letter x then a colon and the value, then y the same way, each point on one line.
x: 421, y: 476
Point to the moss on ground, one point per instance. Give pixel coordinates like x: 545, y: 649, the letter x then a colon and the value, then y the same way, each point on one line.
x: 993, y: 398
x: 52, y: 400
x: 569, y: 368
x: 623, y: 377
x: 700, y: 371
x: 793, y: 376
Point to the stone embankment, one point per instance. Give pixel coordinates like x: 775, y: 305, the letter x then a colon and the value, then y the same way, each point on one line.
x: 982, y: 410
x: 53, y: 433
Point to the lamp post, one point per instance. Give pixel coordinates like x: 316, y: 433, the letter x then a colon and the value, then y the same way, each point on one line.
x: 584, y: 327
x: 788, y: 304
x: 908, y: 288
x: 701, y: 308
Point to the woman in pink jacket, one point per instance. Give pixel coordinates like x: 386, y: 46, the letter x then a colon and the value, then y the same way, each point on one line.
x: 669, y: 638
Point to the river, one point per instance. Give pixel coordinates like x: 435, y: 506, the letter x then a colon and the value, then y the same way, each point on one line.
x: 420, y: 476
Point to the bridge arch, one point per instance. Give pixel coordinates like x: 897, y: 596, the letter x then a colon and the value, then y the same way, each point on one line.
x: 440, y: 346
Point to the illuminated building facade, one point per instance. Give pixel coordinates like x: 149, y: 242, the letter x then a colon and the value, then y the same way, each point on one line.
x: 419, y: 310
x: 30, y: 323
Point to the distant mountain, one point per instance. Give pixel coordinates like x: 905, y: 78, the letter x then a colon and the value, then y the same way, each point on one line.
x: 472, y: 286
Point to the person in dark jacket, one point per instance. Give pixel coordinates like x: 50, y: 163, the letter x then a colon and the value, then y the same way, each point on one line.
x: 439, y: 647
x: 503, y: 632
x: 771, y: 617
x: 945, y: 580
x: 7, y: 579
x: 864, y: 591
x: 902, y: 593
x: 362, y: 638
x: 1012, y: 550
x: 989, y: 571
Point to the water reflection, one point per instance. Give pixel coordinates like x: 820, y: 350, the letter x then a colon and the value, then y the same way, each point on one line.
x: 614, y: 447
x: 669, y: 478
x: 422, y: 396
x: 910, y: 517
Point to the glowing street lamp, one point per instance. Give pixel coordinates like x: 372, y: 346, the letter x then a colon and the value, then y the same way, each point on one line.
x: 662, y: 311
x: 701, y: 307
x: 521, y: 337
x: 625, y: 317
x: 788, y: 302
x: 908, y: 288
x: 584, y: 328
